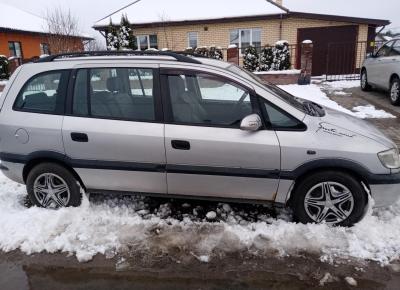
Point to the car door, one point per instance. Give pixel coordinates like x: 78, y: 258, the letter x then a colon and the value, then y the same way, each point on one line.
x: 394, y: 64
x: 378, y: 68
x: 207, y: 153
x: 114, y: 136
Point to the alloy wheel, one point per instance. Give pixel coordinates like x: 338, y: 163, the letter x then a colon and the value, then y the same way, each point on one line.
x: 51, y: 191
x: 329, y: 202
x: 394, y: 91
x: 364, y: 80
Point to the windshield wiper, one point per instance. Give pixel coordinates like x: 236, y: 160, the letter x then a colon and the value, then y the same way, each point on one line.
x: 313, y: 109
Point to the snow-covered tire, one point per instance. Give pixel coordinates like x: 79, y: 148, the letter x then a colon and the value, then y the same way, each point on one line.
x: 347, y: 199
x: 365, y: 86
x: 394, y: 91
x: 51, y: 185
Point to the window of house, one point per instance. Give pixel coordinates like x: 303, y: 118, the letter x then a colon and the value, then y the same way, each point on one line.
x: 115, y: 93
x: 44, y: 93
x: 44, y: 49
x: 147, y: 42
x: 243, y: 38
x: 193, y: 39
x: 208, y: 100
x: 15, y: 48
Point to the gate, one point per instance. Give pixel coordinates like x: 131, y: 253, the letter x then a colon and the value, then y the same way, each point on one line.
x: 344, y: 59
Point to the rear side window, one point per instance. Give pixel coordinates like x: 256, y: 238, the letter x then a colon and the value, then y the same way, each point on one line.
x: 115, y: 93
x: 44, y: 93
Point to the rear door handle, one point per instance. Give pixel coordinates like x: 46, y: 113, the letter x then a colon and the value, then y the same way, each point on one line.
x: 180, y: 145
x: 79, y: 137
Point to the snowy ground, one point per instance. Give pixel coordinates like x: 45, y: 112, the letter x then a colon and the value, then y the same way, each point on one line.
x: 204, y: 230
x: 316, y: 93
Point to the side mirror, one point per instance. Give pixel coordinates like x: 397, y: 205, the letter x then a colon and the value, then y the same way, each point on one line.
x: 251, y: 123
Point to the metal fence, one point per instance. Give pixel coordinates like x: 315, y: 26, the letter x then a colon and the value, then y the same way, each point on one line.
x: 344, y: 60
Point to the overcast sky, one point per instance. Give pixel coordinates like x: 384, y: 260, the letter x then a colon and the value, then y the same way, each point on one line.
x: 89, y: 11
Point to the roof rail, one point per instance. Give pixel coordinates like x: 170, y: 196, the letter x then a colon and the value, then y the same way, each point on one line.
x: 179, y: 57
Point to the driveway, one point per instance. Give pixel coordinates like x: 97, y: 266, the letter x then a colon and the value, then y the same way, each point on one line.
x: 356, y: 97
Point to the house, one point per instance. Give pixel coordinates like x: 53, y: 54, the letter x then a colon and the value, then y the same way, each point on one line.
x: 177, y: 24
x: 23, y: 35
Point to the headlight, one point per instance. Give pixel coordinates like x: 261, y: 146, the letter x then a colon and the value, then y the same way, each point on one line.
x: 390, y: 159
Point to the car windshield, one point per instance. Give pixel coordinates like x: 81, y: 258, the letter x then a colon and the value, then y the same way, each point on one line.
x: 281, y: 94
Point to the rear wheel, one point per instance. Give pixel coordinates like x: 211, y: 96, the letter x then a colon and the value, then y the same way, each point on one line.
x: 335, y: 198
x: 364, y: 81
x: 52, y: 186
x: 395, y: 91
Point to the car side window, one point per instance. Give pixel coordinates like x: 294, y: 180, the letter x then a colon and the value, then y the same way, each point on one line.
x: 385, y: 50
x: 44, y: 93
x: 206, y: 99
x: 280, y: 120
x: 114, y: 93
x: 395, y: 49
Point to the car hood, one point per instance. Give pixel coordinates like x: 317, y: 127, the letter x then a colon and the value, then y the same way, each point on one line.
x: 357, y: 126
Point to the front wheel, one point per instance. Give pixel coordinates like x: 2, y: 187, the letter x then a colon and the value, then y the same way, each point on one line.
x: 335, y: 198
x: 365, y: 86
x: 395, y: 92
x: 52, y: 186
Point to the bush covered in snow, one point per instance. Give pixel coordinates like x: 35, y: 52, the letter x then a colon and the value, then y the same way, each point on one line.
x: 281, y: 56
x: 202, y: 51
x: 216, y: 53
x: 120, y: 38
x: 251, y: 60
x: 4, y: 72
x: 266, y: 59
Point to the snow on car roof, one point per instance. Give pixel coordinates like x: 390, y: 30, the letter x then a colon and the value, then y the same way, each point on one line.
x: 151, y: 11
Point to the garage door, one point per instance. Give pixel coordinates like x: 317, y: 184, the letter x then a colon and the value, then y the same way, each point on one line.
x: 331, y: 44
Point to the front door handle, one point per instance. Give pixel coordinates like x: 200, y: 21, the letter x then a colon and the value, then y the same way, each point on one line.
x: 180, y: 145
x: 79, y: 137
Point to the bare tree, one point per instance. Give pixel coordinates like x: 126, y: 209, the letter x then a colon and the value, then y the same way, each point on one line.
x: 95, y: 44
x: 63, y: 31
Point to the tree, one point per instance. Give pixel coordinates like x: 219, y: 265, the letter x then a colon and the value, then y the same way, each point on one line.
x: 63, y: 31
x: 266, y: 58
x: 202, y: 51
x: 216, y: 53
x: 120, y: 38
x: 251, y: 59
x: 4, y: 72
x: 281, y: 56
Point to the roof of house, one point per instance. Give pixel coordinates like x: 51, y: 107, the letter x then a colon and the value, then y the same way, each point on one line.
x: 156, y: 11
x: 144, y: 13
x: 16, y: 20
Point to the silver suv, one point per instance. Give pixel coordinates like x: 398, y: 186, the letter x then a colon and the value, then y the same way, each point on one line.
x: 172, y: 125
x: 382, y: 70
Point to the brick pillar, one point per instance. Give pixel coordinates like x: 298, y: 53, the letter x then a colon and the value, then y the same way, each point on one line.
x: 14, y: 63
x: 306, y: 62
x: 233, y: 54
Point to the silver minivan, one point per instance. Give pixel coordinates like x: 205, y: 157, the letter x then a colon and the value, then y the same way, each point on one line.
x: 382, y: 70
x: 172, y: 125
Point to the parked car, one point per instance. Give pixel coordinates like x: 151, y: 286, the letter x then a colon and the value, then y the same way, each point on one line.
x: 382, y: 70
x: 171, y: 125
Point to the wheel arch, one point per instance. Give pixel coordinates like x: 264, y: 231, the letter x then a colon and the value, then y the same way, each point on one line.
x: 355, y: 170
x: 49, y: 157
x: 392, y: 77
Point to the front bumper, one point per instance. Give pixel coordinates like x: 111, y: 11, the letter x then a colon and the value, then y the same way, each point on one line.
x: 385, y: 189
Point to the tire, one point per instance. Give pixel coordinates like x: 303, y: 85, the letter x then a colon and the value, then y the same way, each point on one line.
x: 364, y: 81
x: 52, y: 186
x: 310, y: 191
x: 394, y: 92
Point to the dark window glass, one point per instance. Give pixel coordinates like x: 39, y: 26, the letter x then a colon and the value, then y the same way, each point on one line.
x: 115, y: 93
x: 395, y: 49
x: 44, y: 93
x: 153, y: 41
x: 44, y: 48
x: 385, y: 49
x: 15, y: 48
x: 281, y: 120
x: 208, y: 100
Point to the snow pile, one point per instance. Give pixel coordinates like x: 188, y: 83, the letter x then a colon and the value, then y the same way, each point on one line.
x: 134, y: 224
x: 315, y: 93
x: 371, y: 112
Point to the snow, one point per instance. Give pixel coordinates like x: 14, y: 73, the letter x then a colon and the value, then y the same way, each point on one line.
x: 315, y: 93
x: 271, y: 72
x: 351, y: 281
x: 14, y: 18
x: 110, y: 228
x: 150, y: 11
x: 307, y: 41
x: 370, y: 112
